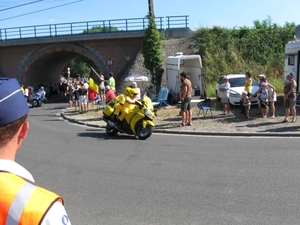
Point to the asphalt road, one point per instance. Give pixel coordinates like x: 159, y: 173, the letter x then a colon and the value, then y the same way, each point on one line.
x: 166, y: 179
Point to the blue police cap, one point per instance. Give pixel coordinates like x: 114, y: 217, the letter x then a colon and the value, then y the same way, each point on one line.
x: 12, y: 101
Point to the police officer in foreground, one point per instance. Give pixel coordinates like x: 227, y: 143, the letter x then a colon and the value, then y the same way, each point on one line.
x: 21, y: 201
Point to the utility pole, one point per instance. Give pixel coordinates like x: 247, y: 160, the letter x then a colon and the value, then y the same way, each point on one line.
x: 151, y: 8
x: 151, y: 13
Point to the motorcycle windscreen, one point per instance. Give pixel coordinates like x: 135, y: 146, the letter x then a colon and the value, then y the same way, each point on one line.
x: 148, y: 102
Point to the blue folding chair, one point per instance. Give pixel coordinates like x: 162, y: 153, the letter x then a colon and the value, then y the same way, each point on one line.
x: 204, y: 107
x: 162, y: 98
x: 98, y: 102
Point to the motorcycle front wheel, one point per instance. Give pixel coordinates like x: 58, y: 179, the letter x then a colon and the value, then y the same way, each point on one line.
x: 143, y: 133
x: 34, y: 104
x: 110, y: 130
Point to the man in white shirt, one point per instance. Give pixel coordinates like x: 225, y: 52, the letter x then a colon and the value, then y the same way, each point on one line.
x: 22, y: 202
x: 134, y: 85
x: 224, y: 94
x: 26, y: 93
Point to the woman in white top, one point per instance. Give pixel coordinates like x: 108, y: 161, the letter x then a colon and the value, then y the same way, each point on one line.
x: 272, y: 98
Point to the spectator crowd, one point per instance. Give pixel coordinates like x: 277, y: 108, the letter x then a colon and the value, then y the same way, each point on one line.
x: 77, y: 92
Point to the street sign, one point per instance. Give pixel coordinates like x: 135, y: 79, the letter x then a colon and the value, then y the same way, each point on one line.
x: 110, y: 62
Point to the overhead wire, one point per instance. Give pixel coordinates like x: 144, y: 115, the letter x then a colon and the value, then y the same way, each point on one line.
x: 13, y: 7
x: 41, y: 10
x: 7, y: 2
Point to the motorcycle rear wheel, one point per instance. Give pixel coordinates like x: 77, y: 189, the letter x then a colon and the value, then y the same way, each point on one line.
x: 143, y: 133
x: 110, y: 130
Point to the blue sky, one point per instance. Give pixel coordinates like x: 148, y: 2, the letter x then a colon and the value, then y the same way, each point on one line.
x: 202, y: 13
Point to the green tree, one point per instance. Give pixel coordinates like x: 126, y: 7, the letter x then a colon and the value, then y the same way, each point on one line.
x: 80, y: 65
x: 152, y: 52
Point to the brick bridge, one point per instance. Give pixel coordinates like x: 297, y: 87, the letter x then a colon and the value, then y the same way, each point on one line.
x: 36, y: 60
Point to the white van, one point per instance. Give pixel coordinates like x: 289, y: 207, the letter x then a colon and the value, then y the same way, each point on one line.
x: 191, y: 64
x: 292, y: 58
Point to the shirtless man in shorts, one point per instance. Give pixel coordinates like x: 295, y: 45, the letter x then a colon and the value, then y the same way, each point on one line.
x: 186, y: 96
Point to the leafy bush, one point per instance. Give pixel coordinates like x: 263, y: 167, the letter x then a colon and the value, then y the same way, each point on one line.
x: 259, y: 50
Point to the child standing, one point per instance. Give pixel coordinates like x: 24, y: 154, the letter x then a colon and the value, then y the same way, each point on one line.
x: 263, y: 98
x: 246, y: 103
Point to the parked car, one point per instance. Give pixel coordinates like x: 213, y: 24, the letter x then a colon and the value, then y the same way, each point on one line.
x: 237, y: 84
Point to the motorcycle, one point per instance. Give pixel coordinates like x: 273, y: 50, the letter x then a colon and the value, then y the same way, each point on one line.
x: 138, y: 122
x: 36, y: 100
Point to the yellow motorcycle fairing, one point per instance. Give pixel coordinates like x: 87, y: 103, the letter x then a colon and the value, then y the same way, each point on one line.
x: 148, y: 122
x: 110, y: 107
x: 148, y: 102
x: 118, y: 107
x: 134, y: 117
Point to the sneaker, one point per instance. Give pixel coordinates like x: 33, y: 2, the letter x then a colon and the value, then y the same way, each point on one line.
x: 223, y: 114
x: 227, y: 114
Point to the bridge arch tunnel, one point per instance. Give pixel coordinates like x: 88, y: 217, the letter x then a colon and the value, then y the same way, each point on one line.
x: 45, y: 64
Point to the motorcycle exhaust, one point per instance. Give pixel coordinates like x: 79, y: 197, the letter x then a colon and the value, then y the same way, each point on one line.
x: 112, y: 124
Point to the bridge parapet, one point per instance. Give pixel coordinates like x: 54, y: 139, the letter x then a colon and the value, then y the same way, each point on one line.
x: 92, y: 27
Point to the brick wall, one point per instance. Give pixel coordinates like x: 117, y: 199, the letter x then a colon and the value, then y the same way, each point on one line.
x: 43, y: 63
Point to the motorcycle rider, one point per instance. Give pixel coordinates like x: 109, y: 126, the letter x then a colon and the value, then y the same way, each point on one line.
x: 42, y: 93
x: 136, y: 117
x: 129, y: 103
x: 37, y: 98
x: 120, y: 99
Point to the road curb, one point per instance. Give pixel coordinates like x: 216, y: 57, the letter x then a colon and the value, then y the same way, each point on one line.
x: 231, y: 134
x: 80, y: 122
x: 204, y: 133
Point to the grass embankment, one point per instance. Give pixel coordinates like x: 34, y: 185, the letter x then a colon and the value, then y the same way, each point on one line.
x: 259, y: 50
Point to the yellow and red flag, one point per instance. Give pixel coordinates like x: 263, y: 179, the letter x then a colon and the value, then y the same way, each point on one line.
x: 94, y: 83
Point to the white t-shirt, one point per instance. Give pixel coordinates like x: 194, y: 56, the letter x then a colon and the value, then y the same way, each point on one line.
x: 57, y: 213
x: 26, y: 92
x: 226, y: 86
x: 138, y: 96
x: 271, y: 94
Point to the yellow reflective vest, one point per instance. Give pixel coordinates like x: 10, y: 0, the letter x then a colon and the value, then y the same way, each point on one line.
x: 22, y: 202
